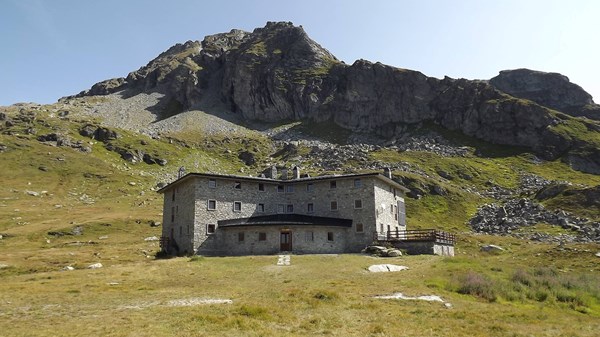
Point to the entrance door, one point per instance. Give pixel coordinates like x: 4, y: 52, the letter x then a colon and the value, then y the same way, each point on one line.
x: 285, y: 241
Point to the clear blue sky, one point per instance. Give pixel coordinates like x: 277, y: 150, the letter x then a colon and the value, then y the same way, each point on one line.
x: 55, y: 48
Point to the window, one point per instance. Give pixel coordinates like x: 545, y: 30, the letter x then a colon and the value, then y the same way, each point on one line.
x: 333, y: 205
x: 309, y: 236
x: 333, y: 184
x: 261, y: 187
x: 212, y: 183
x: 237, y: 206
x: 173, y: 197
x: 237, y: 185
x: 289, y: 188
x: 359, y: 228
x: 260, y: 208
x: 329, y: 236
x: 262, y: 236
x: 211, y: 205
x: 180, y: 231
x: 280, y: 188
x: 392, y: 209
x: 240, y: 236
x: 188, y: 229
x: 210, y: 228
x: 358, y: 203
x: 357, y: 183
x: 290, y: 208
x: 310, y: 208
x: 280, y: 208
x: 394, y: 192
x: 310, y: 187
x: 172, y: 214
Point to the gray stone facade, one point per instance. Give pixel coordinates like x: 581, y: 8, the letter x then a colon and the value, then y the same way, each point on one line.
x: 197, y: 207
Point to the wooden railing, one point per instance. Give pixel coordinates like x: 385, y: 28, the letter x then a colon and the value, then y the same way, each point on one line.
x: 428, y: 235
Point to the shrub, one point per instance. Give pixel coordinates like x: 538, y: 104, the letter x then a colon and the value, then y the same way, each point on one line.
x: 522, y: 277
x: 478, y: 285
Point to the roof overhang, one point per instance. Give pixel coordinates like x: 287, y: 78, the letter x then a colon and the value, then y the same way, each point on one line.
x: 280, y: 181
x: 286, y: 219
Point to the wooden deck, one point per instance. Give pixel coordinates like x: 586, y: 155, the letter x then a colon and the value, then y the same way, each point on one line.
x: 418, y: 235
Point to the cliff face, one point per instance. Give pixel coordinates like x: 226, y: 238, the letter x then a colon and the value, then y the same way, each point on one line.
x: 278, y: 73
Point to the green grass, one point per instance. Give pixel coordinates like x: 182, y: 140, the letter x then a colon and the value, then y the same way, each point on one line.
x: 530, y: 289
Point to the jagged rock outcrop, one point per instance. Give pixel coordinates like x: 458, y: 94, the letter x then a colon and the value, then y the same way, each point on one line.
x: 552, y: 90
x: 278, y: 73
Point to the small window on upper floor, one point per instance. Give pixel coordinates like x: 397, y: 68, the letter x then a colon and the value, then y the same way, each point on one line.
x: 357, y: 183
x: 212, y: 183
x: 260, y: 208
x: 262, y: 236
x: 333, y: 206
x: 173, y: 197
x: 211, y: 205
x: 359, y: 228
x: 333, y: 184
x: 310, y: 208
x: 290, y: 208
x: 358, y: 203
x: 280, y: 188
x: 237, y: 206
x: 289, y: 188
x: 310, y: 187
x: 261, y: 187
x: 280, y: 208
x: 237, y: 185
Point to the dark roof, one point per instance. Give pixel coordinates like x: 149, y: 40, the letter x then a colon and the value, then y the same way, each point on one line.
x: 286, y: 219
x: 287, y: 181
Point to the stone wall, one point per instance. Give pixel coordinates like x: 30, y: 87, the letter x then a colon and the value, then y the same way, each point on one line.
x: 305, y: 240
x: 178, y: 217
x: 357, y: 198
x: 388, y: 208
x: 427, y: 248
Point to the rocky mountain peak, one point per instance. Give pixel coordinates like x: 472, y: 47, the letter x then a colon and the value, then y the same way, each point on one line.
x: 277, y: 73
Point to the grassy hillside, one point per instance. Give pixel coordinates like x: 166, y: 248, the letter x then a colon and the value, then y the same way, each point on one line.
x: 61, y: 206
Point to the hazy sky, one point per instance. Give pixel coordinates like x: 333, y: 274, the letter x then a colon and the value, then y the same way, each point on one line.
x: 55, y: 48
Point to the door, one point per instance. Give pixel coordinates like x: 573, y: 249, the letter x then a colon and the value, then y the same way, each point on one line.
x: 285, y: 241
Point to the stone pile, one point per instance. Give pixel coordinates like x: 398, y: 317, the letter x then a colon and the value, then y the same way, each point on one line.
x: 516, y: 213
x: 382, y: 251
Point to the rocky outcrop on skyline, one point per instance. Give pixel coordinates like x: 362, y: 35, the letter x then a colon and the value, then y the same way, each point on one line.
x: 552, y: 90
x: 277, y: 73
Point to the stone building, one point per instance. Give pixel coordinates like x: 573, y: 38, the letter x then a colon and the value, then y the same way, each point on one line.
x: 215, y: 214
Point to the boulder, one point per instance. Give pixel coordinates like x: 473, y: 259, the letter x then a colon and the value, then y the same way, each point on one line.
x: 151, y: 238
x: 68, y: 268
x: 247, y: 157
x: 378, y: 250
x: 95, y: 266
x: 393, y: 253
x: 385, y: 268
x: 491, y: 249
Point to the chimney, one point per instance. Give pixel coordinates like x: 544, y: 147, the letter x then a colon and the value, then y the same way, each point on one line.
x: 387, y: 172
x: 284, y: 174
x: 296, y: 172
x: 272, y: 172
